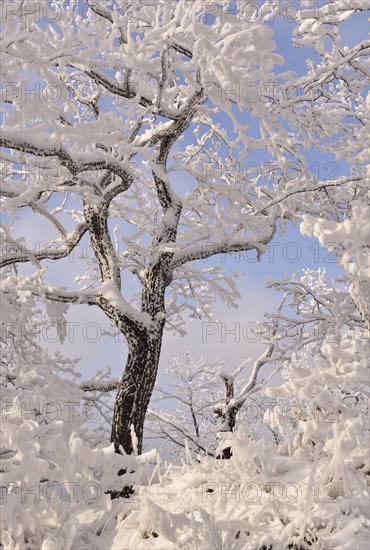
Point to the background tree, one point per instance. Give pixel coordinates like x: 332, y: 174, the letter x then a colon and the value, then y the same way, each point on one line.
x: 203, y: 403
x: 183, y: 413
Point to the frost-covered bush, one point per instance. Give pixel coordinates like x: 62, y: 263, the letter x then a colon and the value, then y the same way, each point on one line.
x: 52, y: 476
x: 261, y: 498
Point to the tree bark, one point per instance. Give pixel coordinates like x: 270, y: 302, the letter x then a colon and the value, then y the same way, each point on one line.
x: 228, y: 414
x: 134, y: 391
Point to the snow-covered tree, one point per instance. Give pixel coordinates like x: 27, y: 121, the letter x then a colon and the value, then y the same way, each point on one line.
x: 106, y: 109
x: 125, y: 125
x: 183, y: 413
x: 203, y: 403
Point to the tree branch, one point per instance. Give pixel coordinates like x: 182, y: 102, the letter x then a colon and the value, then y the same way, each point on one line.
x: 182, y: 431
x: 88, y: 162
x: 100, y: 386
x: 62, y: 250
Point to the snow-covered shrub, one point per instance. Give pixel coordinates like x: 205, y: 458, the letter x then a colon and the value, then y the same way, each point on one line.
x: 51, y: 472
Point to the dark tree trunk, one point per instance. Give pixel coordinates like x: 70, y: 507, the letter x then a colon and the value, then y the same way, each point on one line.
x: 138, y: 380
x: 228, y: 414
x: 135, y: 390
x: 230, y: 421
